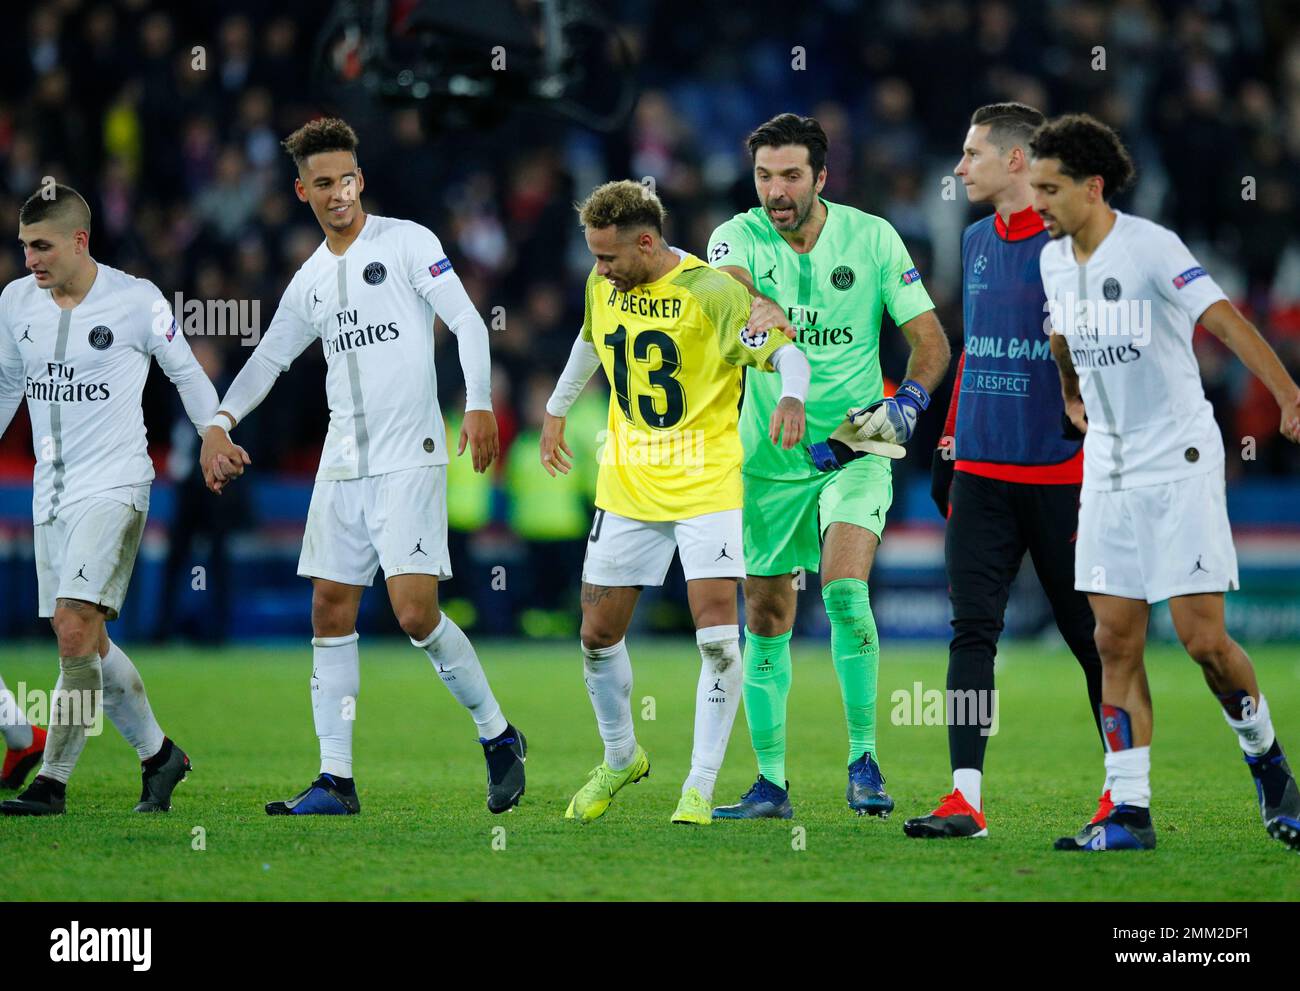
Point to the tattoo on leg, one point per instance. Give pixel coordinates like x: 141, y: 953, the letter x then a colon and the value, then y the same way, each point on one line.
x: 595, y: 594
x: 80, y: 606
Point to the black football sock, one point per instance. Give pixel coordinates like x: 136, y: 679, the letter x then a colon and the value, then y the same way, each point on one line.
x: 161, y: 757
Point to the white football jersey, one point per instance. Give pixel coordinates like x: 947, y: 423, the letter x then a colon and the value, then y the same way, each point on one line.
x: 373, y: 309
x: 1128, y: 314
x: 82, y: 372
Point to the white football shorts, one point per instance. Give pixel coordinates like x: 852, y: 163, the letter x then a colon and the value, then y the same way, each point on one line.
x: 1156, y: 541
x: 88, y: 551
x: 622, y: 552
x: 396, y: 521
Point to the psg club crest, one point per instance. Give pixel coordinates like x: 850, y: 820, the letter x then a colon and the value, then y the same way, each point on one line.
x: 374, y: 273
x: 842, y: 278
x: 1111, y: 289
x: 753, y: 339
x: 101, y: 338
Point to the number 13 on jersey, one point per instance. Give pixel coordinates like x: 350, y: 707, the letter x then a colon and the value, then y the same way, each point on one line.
x: 653, y: 396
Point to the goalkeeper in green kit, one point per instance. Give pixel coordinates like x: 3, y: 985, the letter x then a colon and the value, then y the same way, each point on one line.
x: 829, y: 272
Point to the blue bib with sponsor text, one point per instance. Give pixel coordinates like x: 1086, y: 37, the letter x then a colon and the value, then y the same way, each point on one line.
x: 1009, y: 409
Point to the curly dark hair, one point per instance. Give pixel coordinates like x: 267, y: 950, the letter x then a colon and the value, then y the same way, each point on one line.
x: 322, y: 134
x: 791, y: 129
x: 1086, y: 147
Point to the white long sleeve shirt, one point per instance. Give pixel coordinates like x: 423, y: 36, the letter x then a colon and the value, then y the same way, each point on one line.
x: 82, y: 372
x: 373, y: 309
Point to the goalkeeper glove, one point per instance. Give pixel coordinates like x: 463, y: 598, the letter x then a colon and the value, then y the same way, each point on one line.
x: 849, y: 442
x: 892, y: 420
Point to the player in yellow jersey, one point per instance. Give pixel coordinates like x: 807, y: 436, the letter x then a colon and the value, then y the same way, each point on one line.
x: 672, y: 335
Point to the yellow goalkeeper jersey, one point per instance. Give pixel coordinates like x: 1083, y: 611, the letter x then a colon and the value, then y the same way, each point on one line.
x: 673, y: 351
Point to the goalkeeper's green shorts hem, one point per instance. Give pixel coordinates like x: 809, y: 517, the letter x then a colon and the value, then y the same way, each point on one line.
x: 785, y: 519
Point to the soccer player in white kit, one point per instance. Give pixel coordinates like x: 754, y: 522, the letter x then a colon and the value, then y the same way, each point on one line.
x: 75, y: 340
x: 370, y: 293
x: 1124, y: 296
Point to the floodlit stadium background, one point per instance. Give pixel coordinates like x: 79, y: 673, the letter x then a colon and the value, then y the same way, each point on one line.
x: 485, y: 121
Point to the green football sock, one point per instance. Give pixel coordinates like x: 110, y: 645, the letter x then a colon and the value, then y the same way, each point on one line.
x: 855, y: 652
x: 767, y: 685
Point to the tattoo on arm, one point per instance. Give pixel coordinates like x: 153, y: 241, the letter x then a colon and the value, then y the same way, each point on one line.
x: 1065, y: 365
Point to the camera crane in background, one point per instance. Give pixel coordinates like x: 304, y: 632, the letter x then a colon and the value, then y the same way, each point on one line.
x: 470, y: 63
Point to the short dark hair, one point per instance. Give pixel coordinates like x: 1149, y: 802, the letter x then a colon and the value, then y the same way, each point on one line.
x: 623, y: 204
x: 1086, y: 147
x: 316, y: 136
x: 58, y: 203
x: 1010, y: 124
x: 791, y: 129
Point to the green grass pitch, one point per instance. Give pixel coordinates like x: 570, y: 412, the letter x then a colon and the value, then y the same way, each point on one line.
x: 244, y: 716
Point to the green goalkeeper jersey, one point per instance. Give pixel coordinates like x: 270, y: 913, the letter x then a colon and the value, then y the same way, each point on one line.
x: 835, y: 297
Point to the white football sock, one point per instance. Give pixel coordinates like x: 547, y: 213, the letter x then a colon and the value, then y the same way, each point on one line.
x: 458, y: 666
x: 335, y: 685
x: 1256, y: 733
x: 717, y: 698
x: 1129, y: 772
x: 14, y: 727
x: 74, y: 711
x: 608, y: 674
x: 127, y: 706
x: 968, y: 781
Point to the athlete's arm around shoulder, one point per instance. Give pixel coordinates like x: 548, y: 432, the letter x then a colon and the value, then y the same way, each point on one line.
x: 728, y: 310
x: 731, y: 250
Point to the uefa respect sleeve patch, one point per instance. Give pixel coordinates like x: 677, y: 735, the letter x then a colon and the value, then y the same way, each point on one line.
x: 910, y: 276
x: 1191, y: 275
x: 438, y: 267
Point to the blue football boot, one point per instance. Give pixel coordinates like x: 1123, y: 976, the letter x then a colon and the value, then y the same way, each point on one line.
x: 1128, y: 827
x: 763, y: 801
x: 866, y: 791
x: 325, y: 797
x: 1279, y: 799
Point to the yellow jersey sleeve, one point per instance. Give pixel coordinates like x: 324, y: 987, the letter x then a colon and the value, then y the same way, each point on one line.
x: 586, y: 307
x: 725, y: 304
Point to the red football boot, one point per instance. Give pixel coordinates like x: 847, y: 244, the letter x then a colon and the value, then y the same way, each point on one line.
x: 1104, y: 805
x: 19, y: 763
x: 954, y: 817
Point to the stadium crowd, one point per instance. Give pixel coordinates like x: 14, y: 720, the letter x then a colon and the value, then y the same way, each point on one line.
x: 168, y: 117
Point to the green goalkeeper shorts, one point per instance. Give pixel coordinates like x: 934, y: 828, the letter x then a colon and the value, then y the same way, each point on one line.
x: 784, y: 520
